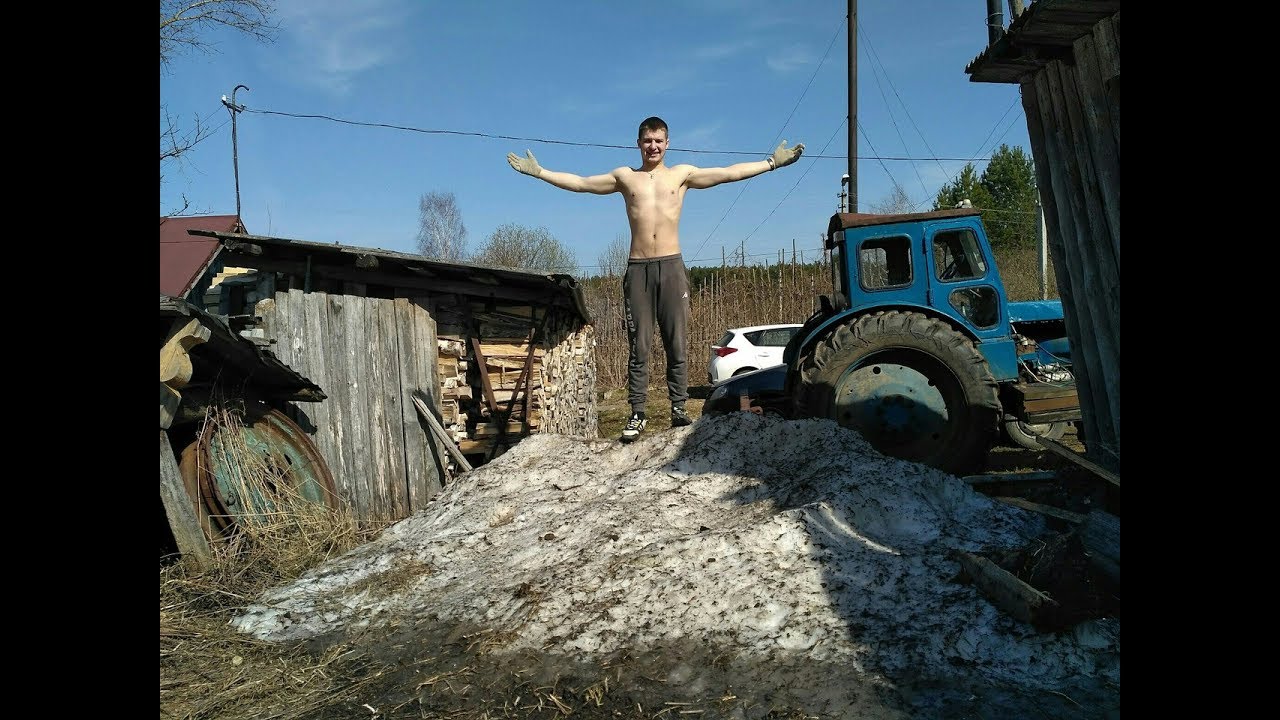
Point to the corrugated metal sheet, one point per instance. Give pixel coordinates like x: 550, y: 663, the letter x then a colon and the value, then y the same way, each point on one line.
x: 184, y: 258
x: 225, y: 347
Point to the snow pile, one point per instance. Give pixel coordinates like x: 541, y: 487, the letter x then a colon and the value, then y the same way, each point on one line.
x: 766, y: 538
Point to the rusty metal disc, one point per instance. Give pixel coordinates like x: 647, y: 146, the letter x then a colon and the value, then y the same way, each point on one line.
x: 250, y: 472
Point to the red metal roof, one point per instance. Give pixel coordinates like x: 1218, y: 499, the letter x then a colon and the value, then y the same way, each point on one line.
x: 184, y: 258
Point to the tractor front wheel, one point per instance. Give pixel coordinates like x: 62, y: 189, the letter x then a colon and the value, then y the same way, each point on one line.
x: 912, y: 385
x: 1025, y: 435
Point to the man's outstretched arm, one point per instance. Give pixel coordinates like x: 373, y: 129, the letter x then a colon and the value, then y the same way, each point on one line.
x: 783, y: 156
x: 598, y: 184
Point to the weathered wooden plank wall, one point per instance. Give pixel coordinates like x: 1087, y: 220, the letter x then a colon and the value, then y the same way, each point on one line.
x: 1073, y: 117
x: 369, y: 355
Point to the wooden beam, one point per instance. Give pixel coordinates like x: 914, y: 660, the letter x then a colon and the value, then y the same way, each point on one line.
x: 1100, y: 535
x: 1049, y: 510
x: 175, y: 364
x: 170, y: 399
x: 484, y: 376
x: 175, y: 358
x: 1009, y: 477
x: 179, y: 508
x: 440, y: 433
x: 1080, y: 460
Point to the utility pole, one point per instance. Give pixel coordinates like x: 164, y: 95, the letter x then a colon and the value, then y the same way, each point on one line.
x: 853, y: 106
x: 1042, y: 240
x: 235, y: 110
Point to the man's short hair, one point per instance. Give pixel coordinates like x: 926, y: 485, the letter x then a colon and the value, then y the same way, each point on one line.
x: 654, y: 123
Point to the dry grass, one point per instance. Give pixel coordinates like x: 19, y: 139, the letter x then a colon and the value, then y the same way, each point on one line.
x: 614, y: 409
x: 207, y: 670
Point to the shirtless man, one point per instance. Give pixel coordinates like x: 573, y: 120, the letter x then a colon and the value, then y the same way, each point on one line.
x: 655, y: 286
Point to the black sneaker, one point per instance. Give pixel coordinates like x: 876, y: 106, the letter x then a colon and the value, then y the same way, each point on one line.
x: 635, y: 424
x: 679, y: 418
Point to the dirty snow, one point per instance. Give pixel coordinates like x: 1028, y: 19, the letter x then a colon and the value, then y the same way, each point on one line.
x: 792, y: 542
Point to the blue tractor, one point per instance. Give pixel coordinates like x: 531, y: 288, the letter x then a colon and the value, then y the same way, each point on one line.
x: 918, y: 347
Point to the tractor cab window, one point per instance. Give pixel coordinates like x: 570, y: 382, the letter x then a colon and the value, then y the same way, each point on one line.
x: 885, y: 263
x: 956, y: 256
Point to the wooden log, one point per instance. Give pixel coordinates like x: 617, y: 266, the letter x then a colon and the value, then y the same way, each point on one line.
x: 493, y: 429
x: 476, y: 447
x: 510, y: 351
x: 448, y: 366
x: 179, y: 508
x: 1042, y: 509
x: 1100, y: 534
x: 1013, y: 596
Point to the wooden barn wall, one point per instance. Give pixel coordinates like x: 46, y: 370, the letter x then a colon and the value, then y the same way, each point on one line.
x: 369, y: 355
x: 1073, y: 118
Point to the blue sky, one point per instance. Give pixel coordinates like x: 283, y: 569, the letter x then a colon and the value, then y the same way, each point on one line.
x: 728, y: 76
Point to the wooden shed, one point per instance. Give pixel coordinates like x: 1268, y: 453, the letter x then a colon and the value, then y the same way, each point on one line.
x: 492, y: 354
x: 1065, y: 57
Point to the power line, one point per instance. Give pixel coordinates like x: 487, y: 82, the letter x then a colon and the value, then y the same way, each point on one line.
x: 889, y: 109
x: 743, y: 189
x: 606, y: 146
x: 793, y: 187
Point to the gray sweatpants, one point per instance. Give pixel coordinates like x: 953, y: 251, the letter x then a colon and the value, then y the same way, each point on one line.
x: 657, y: 290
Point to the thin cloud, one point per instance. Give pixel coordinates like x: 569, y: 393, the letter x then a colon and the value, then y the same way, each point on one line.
x: 330, y: 43
x: 720, y: 51
x: 785, y: 60
x: 701, y: 136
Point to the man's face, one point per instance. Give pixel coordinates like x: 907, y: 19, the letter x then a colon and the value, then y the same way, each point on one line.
x: 653, y: 145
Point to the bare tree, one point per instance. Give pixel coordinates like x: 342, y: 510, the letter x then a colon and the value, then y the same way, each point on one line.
x: 441, y: 233
x: 185, y: 26
x: 516, y: 246
x: 898, y: 201
x: 613, y: 261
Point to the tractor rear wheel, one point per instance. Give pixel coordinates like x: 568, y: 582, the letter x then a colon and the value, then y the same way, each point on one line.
x: 912, y: 385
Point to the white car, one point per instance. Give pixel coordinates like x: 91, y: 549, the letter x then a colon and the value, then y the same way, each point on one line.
x: 742, y: 350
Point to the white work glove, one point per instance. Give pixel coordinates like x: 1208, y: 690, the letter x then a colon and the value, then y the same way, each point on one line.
x: 784, y: 156
x: 527, y: 165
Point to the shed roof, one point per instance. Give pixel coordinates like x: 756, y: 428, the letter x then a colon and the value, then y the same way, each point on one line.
x: 1044, y: 32
x: 185, y: 258
x: 401, y: 270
